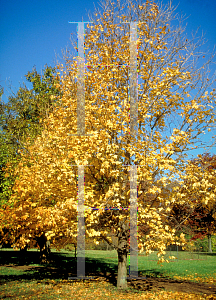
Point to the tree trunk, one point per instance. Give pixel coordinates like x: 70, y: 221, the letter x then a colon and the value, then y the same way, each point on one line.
x: 44, y: 245
x: 24, y: 250
x: 122, y: 270
x: 75, y: 246
x: 122, y: 258
x: 122, y: 249
x: 209, y: 244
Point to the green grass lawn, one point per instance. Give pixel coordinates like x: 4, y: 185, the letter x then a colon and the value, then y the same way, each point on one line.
x: 187, y: 265
x: 147, y: 265
x: 47, y: 283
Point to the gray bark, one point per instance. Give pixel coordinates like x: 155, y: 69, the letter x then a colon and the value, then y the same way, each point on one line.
x: 122, y: 259
x: 122, y: 270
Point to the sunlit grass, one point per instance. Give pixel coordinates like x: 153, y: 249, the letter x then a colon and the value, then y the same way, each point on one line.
x: 202, y: 269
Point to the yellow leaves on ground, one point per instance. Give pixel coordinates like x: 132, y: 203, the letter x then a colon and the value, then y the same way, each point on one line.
x: 88, y: 290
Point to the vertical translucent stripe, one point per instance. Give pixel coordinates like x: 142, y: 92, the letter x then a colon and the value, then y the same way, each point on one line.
x: 81, y: 81
x: 81, y: 225
x: 133, y: 79
x: 133, y: 223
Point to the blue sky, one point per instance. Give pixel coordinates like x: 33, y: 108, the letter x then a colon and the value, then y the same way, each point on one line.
x: 33, y: 32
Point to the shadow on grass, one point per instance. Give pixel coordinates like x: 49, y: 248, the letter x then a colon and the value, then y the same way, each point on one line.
x: 27, y: 267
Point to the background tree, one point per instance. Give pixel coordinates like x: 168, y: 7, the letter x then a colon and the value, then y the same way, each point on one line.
x: 171, y: 120
x: 20, y: 119
x: 203, y: 223
x: 198, y: 219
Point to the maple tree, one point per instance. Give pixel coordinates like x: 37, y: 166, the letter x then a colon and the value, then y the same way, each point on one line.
x: 171, y: 121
